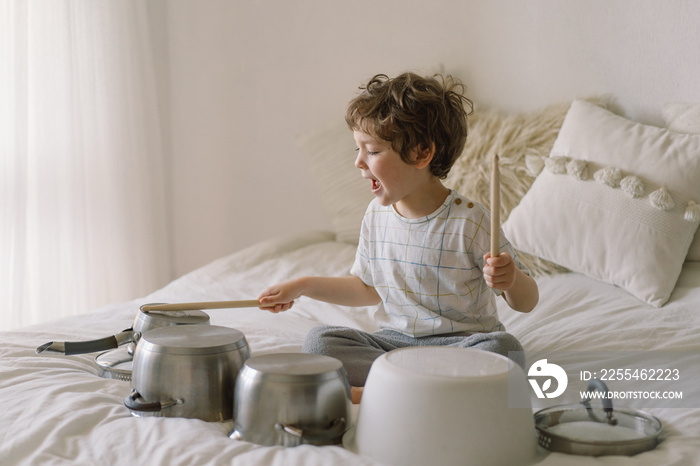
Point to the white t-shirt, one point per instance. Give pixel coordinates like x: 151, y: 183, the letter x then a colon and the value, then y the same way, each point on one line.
x: 428, y: 271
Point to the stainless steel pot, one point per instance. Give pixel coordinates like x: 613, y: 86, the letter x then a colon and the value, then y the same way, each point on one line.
x: 187, y: 371
x: 143, y: 322
x: 291, y: 399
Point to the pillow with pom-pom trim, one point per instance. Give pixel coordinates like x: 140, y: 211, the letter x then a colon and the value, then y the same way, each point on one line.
x: 683, y: 117
x: 594, y: 226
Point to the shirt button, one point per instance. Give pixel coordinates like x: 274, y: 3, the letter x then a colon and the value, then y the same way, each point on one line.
x: 458, y: 201
x: 470, y: 204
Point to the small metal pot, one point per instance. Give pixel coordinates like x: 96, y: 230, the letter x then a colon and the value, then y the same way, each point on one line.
x: 187, y: 371
x: 143, y: 322
x: 291, y: 399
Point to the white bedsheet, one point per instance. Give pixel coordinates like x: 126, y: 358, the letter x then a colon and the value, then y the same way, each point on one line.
x: 56, y: 410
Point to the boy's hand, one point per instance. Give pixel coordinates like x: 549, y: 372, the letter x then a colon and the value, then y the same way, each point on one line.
x: 279, y: 298
x: 499, y: 272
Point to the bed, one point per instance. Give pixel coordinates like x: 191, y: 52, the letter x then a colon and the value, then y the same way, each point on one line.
x: 57, y: 410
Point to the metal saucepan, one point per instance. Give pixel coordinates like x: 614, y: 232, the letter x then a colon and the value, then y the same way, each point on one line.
x: 187, y: 371
x: 144, y: 322
x: 580, y: 429
x: 291, y: 399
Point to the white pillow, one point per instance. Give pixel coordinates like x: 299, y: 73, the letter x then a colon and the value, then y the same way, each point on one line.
x: 583, y: 216
x: 681, y: 117
x: 345, y: 195
x: 684, y: 118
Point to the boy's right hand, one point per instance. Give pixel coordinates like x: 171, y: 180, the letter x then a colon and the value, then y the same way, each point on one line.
x: 280, y: 297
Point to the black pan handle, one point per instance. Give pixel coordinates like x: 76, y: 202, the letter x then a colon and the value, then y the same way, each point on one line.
x: 136, y: 403
x: 81, y: 347
x: 90, y: 346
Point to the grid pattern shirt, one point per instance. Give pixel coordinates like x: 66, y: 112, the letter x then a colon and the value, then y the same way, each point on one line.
x: 428, y: 271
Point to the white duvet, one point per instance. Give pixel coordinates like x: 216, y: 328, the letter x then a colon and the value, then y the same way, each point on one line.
x: 54, y: 409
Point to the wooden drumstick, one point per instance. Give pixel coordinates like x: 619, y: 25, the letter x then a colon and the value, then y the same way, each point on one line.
x: 495, y: 207
x: 202, y: 305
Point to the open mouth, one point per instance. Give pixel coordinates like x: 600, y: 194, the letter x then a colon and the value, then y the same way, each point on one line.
x: 376, y: 186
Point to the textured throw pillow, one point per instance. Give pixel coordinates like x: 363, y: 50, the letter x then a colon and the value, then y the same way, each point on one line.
x: 522, y: 141
x: 331, y: 153
x: 685, y: 118
x: 616, y: 200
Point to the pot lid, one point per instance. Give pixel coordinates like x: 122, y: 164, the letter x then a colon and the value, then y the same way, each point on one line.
x: 192, y: 339
x: 293, y: 367
x: 161, y: 318
x: 576, y: 429
x: 115, y: 364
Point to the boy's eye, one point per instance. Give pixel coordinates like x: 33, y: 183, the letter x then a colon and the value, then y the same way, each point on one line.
x: 369, y: 152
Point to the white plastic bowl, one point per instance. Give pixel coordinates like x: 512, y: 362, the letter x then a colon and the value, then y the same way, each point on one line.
x: 444, y: 405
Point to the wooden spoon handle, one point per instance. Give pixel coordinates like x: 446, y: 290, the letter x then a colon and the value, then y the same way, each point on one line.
x: 495, y: 208
x: 202, y: 305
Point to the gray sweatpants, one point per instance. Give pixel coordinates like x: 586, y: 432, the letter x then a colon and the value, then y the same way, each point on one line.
x: 357, y: 350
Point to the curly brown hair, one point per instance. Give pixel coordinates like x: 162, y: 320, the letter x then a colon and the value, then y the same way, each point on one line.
x: 413, y: 112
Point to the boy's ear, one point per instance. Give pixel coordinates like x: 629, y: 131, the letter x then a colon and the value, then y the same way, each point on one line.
x: 424, y: 155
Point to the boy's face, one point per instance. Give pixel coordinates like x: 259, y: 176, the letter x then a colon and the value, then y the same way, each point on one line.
x: 392, y: 180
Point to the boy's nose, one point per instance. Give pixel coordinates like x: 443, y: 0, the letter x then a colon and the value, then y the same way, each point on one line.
x: 359, y: 162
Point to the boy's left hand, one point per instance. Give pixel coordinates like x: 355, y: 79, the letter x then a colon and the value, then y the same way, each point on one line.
x: 499, y: 271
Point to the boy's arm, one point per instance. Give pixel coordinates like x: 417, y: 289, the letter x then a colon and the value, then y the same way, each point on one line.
x: 519, y: 289
x: 345, y: 291
x: 523, y: 295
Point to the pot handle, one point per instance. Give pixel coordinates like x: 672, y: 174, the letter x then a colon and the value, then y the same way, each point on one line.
x: 335, y: 431
x: 90, y: 346
x: 135, y: 403
x: 597, y: 384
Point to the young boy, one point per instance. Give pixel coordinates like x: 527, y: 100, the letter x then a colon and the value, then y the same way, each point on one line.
x: 423, y: 250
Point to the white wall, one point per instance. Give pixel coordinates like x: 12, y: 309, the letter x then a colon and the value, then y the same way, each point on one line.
x: 245, y: 77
